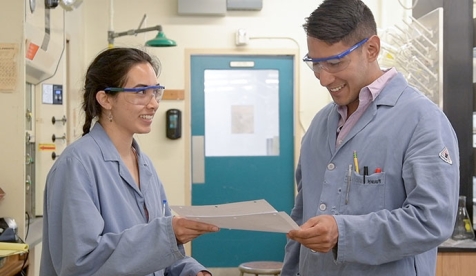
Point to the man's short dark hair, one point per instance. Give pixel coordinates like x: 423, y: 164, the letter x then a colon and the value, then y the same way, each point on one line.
x: 348, y: 21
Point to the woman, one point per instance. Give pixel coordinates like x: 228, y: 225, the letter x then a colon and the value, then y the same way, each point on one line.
x: 103, y: 208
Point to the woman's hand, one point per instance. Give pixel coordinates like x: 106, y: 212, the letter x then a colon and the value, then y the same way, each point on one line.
x: 186, y: 230
x: 204, y: 273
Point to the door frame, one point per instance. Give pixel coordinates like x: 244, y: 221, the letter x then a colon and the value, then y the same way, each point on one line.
x: 187, y: 128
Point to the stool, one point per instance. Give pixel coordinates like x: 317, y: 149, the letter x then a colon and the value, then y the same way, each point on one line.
x: 263, y: 268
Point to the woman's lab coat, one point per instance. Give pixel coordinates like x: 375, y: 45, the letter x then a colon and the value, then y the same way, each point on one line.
x: 94, y: 220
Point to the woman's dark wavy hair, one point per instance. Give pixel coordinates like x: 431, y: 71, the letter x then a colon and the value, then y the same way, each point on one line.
x: 348, y: 21
x: 110, y: 69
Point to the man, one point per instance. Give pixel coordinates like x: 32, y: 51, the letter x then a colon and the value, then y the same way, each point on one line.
x: 378, y: 175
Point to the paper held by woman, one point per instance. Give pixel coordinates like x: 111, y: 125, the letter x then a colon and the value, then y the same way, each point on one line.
x: 254, y: 215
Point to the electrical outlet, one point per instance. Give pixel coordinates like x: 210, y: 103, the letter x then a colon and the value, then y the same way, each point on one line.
x: 241, y: 37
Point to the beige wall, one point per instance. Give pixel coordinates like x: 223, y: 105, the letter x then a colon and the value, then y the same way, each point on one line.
x: 12, y: 112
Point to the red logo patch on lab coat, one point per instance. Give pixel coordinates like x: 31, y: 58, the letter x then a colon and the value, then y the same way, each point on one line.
x: 445, y: 156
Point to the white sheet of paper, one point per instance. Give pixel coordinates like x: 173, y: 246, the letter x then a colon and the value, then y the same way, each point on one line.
x: 255, y: 215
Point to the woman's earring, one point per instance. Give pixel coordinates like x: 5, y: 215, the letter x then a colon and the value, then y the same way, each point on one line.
x: 110, y: 116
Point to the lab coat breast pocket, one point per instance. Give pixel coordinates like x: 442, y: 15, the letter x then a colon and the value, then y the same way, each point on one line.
x: 366, y: 197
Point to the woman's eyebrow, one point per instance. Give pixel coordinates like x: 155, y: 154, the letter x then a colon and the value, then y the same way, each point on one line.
x: 145, y: 85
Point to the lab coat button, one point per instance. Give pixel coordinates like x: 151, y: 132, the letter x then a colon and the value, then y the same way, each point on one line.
x: 330, y: 166
x: 322, y: 207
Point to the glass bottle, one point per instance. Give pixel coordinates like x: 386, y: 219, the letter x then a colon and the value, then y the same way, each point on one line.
x: 463, y: 227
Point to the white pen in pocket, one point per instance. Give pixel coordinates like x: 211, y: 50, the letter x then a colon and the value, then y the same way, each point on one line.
x: 164, y: 203
x: 349, y: 174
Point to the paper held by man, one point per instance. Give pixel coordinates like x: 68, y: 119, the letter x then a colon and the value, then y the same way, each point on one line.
x: 255, y: 215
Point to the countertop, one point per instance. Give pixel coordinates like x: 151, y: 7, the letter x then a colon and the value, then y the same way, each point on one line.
x: 458, y: 246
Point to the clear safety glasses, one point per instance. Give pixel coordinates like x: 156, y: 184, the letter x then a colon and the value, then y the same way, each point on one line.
x: 332, y: 64
x: 139, y: 95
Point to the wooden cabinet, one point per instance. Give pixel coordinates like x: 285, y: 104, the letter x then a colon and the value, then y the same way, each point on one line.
x: 12, y: 265
x: 456, y: 264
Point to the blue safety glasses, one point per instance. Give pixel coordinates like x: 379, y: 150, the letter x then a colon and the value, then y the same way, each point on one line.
x: 139, y: 95
x: 332, y: 64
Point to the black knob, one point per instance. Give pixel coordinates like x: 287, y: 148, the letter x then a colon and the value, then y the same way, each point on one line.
x: 54, y: 155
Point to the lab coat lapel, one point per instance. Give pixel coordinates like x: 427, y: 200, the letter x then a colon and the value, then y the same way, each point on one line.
x: 110, y: 153
x: 126, y: 176
x: 366, y: 118
x: 332, y: 123
x: 145, y: 173
x: 388, y: 96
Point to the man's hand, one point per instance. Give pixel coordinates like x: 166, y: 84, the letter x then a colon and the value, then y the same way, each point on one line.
x: 186, y: 230
x: 318, y: 233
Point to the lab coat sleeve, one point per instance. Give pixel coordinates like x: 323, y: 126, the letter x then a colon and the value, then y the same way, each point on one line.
x: 186, y: 266
x: 427, y: 215
x: 75, y: 235
x: 292, y: 249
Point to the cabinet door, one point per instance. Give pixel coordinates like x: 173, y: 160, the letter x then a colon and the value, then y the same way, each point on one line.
x: 455, y: 263
x: 13, y: 265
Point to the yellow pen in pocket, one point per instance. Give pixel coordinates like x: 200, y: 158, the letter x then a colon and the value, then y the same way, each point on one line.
x: 356, y: 162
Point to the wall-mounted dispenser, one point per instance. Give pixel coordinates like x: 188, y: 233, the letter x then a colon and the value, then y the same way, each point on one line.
x: 173, y: 124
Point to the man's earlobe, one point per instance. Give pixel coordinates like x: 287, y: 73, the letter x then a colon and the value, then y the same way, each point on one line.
x: 373, y: 48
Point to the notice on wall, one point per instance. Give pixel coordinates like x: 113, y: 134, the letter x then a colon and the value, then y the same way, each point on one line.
x: 242, y: 119
x: 8, y: 67
x: 47, y: 97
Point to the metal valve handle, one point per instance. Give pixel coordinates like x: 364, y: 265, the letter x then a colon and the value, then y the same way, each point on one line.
x: 60, y: 138
x: 54, y: 155
x: 53, y: 120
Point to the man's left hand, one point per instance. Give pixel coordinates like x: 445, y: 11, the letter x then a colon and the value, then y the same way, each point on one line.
x: 318, y: 233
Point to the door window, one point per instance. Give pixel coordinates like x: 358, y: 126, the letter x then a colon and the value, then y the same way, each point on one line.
x: 241, y: 112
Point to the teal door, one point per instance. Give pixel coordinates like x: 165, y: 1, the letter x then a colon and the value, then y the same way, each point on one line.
x: 242, y: 148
